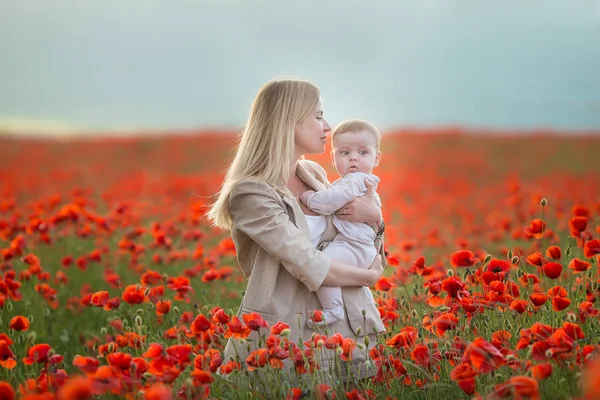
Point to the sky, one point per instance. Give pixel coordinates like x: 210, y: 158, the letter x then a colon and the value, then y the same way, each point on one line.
x: 149, y: 64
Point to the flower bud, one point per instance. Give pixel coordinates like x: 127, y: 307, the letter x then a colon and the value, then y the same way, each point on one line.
x: 366, y: 341
x: 358, y: 331
x: 175, y: 310
x: 450, y: 272
x: 30, y: 318
x: 543, y: 202
x: 414, y: 313
x: 286, y: 332
x: 595, y: 286
x: 138, y: 321
x: 111, y: 347
x: 515, y: 260
x: 320, y: 343
x: 487, y: 258
x: 339, y: 351
x: 568, y: 251
x: 403, y: 302
x: 146, y: 292
x: 139, y: 311
x: 510, y: 255
x: 46, y: 312
x: 360, y: 346
x: 549, y: 353
x: 571, y: 317
x: 520, y: 273
x: 9, y: 306
x: 103, y: 330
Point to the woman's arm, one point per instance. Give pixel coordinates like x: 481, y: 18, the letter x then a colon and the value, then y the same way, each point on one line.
x: 342, y: 274
x: 256, y: 213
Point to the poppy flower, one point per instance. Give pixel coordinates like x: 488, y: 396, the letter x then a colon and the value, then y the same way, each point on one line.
x: 38, y: 353
x: 19, y: 323
x: 541, y: 371
x: 384, y: 284
x: 133, y: 294
x: 77, y: 388
x: 519, y: 306
x: 554, y: 252
x: 99, y: 299
x: 158, y: 392
x: 278, y: 328
x: 7, y: 357
x: 552, y: 270
x: 236, y: 329
x: 255, y: 321
x: 536, y: 259
x: 578, y: 266
x: 577, y: 225
x: 257, y: 359
x: 536, y: 228
x: 445, y: 322
x: 6, y: 391
x: 463, y: 258
x: 200, y: 324
x: 591, y: 248
x: 483, y: 356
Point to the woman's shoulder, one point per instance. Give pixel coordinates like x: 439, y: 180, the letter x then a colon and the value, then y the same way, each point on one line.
x: 252, y: 185
x: 314, y: 169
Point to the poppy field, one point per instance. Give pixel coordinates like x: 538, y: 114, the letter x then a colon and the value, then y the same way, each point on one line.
x: 113, y: 284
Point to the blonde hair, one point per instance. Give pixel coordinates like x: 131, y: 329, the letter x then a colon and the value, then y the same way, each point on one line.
x: 355, y: 126
x: 266, y: 145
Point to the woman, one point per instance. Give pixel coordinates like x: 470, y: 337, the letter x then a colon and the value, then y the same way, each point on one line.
x: 259, y: 203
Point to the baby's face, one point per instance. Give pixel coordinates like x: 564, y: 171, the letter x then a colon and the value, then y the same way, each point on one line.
x: 355, y: 152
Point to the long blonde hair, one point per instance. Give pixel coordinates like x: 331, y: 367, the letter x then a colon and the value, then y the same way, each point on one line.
x: 266, y: 145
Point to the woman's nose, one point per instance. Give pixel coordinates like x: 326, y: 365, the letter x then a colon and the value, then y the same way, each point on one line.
x: 326, y: 126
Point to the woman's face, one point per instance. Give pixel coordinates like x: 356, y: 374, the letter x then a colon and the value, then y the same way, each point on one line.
x: 310, y: 134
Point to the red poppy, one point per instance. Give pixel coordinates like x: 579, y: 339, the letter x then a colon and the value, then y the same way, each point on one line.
x: 255, y: 321
x: 278, y: 328
x: 6, y: 391
x: 463, y: 258
x: 384, y: 284
x: 554, y: 252
x: 99, y: 299
x: 578, y: 266
x: 552, y: 270
x: 200, y: 324
x: 38, y: 353
x: 577, y: 225
x: 536, y: 259
x: 519, y: 306
x: 133, y: 294
x: 19, y: 323
x: 483, y: 356
x: 236, y: 329
x: 591, y: 248
x: 7, y: 357
x: 536, y: 228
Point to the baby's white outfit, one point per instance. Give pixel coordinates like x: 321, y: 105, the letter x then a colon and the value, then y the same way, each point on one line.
x: 355, y: 241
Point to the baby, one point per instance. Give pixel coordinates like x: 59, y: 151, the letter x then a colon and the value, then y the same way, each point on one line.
x: 355, y: 153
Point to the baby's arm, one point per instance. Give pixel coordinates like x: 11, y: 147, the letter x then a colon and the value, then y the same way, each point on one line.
x: 328, y: 201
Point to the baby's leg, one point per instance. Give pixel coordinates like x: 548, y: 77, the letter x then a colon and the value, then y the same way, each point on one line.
x: 331, y: 297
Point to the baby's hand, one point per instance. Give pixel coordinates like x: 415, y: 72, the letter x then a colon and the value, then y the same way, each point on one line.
x: 304, y: 196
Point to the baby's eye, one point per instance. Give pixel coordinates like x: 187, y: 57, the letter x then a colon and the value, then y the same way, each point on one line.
x: 345, y: 152
x: 364, y: 152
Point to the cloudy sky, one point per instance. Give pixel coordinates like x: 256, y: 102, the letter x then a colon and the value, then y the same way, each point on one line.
x: 150, y: 64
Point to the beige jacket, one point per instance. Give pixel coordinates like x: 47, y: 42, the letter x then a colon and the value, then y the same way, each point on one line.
x: 283, y: 268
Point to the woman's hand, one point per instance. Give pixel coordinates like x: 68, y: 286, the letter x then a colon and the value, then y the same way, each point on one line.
x: 362, y: 209
x: 377, y: 268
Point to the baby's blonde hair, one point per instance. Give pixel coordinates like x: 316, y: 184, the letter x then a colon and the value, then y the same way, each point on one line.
x: 266, y: 146
x: 355, y: 126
